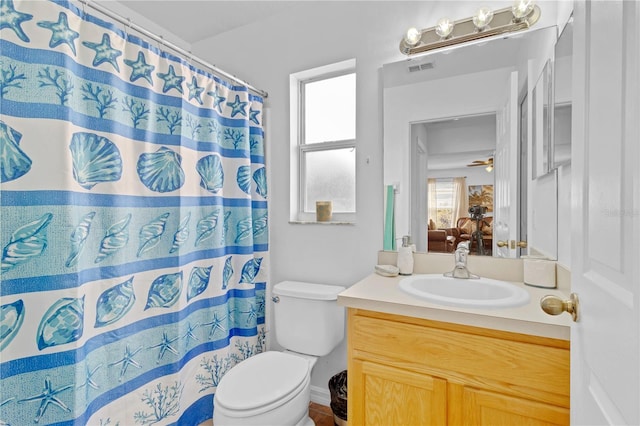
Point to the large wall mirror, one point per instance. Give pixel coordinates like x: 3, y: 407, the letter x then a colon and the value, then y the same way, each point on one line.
x: 456, y: 128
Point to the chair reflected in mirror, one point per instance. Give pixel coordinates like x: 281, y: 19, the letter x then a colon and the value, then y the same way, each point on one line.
x: 477, y: 230
x: 440, y: 240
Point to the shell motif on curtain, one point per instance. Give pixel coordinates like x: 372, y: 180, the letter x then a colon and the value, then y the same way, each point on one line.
x: 133, y: 224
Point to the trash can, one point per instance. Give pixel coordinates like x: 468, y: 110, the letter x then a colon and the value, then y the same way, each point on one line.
x: 338, y: 390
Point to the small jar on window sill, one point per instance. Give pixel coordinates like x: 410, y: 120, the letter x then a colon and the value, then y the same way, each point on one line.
x: 323, y: 211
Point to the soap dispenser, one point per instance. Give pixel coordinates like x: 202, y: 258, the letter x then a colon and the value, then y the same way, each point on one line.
x: 405, y: 256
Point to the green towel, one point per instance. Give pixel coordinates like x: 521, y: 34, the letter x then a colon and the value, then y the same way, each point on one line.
x: 389, y: 221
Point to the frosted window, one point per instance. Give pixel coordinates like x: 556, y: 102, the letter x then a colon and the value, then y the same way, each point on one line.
x: 330, y: 176
x: 330, y: 109
x: 323, y: 131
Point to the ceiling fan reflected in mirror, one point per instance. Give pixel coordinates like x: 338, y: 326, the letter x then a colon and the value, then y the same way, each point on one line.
x: 487, y: 164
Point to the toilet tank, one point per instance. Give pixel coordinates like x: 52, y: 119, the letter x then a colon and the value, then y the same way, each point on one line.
x: 307, y: 317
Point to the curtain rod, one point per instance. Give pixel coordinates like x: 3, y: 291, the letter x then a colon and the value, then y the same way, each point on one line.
x: 160, y: 40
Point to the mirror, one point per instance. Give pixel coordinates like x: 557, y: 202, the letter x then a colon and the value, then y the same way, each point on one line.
x: 447, y: 115
x: 562, y: 99
x: 541, y: 123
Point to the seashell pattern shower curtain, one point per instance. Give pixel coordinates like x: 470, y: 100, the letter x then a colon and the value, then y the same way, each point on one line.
x: 133, y: 224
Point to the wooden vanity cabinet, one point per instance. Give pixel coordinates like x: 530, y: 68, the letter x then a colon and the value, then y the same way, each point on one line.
x: 411, y: 371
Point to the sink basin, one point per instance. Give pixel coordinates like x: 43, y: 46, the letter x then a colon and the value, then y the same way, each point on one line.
x: 483, y: 293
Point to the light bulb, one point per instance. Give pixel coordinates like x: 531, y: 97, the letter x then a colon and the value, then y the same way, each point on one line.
x: 413, y: 36
x: 521, y: 8
x: 489, y: 168
x: 482, y: 18
x: 444, y: 27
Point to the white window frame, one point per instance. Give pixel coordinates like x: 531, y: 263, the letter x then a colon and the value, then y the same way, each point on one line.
x: 298, y: 148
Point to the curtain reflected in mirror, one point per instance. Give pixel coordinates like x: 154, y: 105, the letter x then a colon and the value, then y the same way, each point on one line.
x: 448, y: 201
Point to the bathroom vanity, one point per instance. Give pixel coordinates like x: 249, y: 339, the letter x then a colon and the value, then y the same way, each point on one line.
x: 419, y: 363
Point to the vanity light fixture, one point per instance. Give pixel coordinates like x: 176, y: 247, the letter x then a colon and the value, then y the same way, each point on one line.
x: 489, y: 168
x: 413, y: 36
x: 521, y: 9
x: 482, y: 18
x: 485, y: 23
x: 444, y: 27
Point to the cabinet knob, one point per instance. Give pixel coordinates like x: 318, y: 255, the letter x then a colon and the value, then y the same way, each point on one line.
x: 502, y: 243
x: 522, y: 244
x: 553, y: 305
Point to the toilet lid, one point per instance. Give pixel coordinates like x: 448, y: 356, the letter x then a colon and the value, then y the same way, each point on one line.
x: 261, y: 380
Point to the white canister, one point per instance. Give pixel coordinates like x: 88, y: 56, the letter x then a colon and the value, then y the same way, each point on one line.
x: 539, y: 272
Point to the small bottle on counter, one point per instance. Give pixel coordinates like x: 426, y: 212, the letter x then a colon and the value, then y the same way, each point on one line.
x: 405, y: 256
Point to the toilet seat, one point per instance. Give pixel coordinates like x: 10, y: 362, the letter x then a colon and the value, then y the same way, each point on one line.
x: 262, y: 383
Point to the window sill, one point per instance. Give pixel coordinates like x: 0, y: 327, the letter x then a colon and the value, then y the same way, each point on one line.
x: 313, y: 222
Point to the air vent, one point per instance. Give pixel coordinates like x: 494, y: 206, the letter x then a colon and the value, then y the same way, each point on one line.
x: 421, y: 67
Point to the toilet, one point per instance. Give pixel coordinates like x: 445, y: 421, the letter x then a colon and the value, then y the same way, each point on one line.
x: 273, y: 388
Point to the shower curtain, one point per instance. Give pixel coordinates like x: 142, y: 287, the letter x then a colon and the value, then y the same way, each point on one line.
x: 133, y: 224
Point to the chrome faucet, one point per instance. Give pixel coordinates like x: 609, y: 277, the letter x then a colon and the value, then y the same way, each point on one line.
x: 460, y: 269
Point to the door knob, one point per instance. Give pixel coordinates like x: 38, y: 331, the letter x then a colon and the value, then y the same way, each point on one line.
x: 501, y: 243
x: 522, y: 244
x: 553, y: 305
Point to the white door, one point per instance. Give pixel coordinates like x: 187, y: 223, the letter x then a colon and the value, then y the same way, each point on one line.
x: 505, y: 210
x: 605, y: 342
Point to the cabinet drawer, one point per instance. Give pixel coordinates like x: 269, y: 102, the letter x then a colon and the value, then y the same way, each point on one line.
x: 515, y: 367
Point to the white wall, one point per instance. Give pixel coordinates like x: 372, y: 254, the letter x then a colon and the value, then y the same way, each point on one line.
x: 310, y: 35
x: 137, y: 19
x: 475, y: 175
x: 476, y: 133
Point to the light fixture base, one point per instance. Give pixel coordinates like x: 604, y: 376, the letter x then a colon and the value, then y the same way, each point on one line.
x: 464, y: 31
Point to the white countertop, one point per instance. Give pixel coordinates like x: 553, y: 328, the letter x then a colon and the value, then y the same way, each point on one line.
x: 382, y: 294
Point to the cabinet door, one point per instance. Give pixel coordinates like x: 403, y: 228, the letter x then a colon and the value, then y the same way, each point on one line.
x: 488, y: 408
x: 384, y: 395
